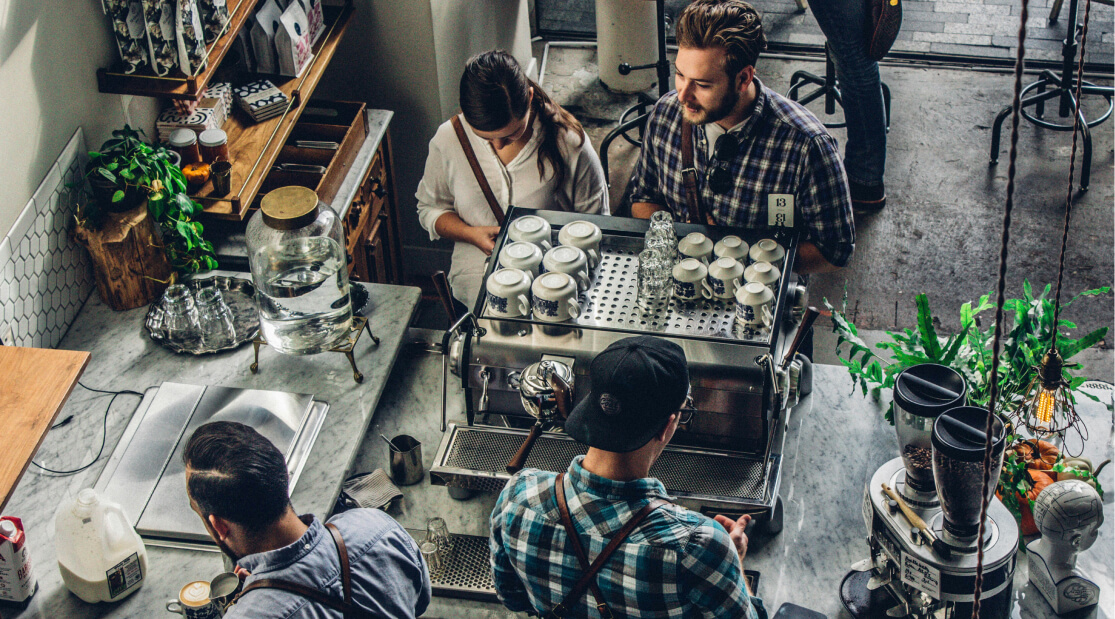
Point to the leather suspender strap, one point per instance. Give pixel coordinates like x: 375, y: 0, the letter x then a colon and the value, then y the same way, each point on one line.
x: 588, y: 579
x: 346, y: 607
x: 689, y: 177
x: 476, y: 171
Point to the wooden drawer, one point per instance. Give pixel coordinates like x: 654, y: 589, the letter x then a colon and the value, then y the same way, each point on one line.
x: 340, y: 122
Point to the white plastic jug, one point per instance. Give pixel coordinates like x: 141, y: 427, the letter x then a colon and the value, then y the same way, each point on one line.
x: 100, y: 555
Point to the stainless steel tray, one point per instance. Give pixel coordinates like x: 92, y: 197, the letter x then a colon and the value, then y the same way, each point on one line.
x: 238, y: 293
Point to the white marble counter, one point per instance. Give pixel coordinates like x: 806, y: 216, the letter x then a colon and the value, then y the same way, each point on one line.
x: 125, y: 358
x: 831, y: 452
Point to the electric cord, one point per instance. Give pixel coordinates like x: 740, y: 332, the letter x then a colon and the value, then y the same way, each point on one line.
x: 104, y: 429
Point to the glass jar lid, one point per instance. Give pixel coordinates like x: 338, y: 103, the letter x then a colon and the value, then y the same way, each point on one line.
x: 289, y: 208
x: 212, y: 137
x: 182, y: 137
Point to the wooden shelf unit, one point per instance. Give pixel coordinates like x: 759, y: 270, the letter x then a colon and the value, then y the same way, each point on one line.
x: 180, y: 86
x: 253, y: 147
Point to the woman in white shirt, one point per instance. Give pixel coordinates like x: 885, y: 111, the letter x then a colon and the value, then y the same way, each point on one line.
x: 532, y: 153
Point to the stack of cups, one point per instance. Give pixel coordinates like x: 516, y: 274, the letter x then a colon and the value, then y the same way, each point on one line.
x: 661, y: 236
x: 653, y: 280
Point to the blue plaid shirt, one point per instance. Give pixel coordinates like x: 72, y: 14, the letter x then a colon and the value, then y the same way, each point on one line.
x: 677, y: 563
x: 784, y: 149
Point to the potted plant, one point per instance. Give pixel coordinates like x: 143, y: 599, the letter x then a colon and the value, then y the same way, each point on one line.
x: 969, y: 352
x: 124, y: 172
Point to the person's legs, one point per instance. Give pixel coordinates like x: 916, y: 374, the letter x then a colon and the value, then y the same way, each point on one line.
x: 843, y: 22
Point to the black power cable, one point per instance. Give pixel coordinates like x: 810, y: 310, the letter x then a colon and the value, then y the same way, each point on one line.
x: 104, y: 429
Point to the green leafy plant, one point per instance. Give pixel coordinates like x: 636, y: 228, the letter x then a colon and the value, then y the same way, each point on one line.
x: 968, y: 351
x: 134, y: 167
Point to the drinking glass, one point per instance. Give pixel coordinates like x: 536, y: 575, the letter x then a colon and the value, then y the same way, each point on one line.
x: 653, y: 279
x: 662, y: 227
x: 181, y: 313
x: 438, y: 532
x: 667, y: 247
x: 435, y: 562
x: 214, y: 319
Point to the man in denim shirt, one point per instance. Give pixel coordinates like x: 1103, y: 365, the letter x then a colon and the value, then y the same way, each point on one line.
x: 674, y: 563
x: 237, y: 482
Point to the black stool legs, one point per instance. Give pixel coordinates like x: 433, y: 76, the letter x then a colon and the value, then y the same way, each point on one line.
x: 828, y: 86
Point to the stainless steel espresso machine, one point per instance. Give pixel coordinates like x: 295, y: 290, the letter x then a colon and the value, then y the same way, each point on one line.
x: 726, y: 460
x: 922, y: 512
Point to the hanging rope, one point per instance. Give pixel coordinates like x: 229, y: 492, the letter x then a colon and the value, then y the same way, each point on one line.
x: 1077, y: 115
x: 1016, y: 116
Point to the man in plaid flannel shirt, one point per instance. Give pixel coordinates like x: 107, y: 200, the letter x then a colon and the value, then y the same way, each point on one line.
x: 675, y: 563
x: 785, y: 163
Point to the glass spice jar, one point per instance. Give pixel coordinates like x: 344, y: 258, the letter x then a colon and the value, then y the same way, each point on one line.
x: 184, y: 142
x: 214, y: 145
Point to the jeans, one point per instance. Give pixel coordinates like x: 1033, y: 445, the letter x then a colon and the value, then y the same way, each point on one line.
x: 865, y: 154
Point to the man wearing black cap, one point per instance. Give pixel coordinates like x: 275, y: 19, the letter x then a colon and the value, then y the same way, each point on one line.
x: 603, y: 534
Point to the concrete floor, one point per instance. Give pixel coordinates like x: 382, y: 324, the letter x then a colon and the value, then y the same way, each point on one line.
x: 940, y: 232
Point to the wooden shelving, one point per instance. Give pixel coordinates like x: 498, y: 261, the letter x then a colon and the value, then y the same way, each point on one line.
x: 253, y: 147
x: 180, y: 86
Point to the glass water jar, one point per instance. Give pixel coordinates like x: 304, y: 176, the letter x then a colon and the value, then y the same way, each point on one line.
x: 296, y: 251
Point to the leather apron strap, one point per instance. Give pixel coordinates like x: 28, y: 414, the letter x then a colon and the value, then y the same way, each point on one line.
x: 696, y: 214
x: 476, y: 171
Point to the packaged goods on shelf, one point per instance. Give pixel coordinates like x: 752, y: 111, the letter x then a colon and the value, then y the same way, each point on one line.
x: 264, y: 23
x: 292, y: 41
x: 190, y: 37
x: 159, y: 16
x: 130, y: 30
x: 261, y: 100
x: 317, y: 20
x: 214, y: 17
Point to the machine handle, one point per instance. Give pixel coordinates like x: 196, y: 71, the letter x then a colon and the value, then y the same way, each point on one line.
x: 520, y: 458
x: 918, y: 523
x: 485, y: 377
x: 563, y: 396
x: 806, y: 324
x: 441, y: 283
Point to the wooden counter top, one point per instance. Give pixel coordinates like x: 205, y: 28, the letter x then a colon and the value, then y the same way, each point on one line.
x: 34, y: 384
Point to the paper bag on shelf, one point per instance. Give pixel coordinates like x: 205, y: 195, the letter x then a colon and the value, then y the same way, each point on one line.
x: 130, y: 30
x: 292, y: 41
x: 159, y: 16
x: 190, y: 37
x: 264, y: 24
x: 214, y: 16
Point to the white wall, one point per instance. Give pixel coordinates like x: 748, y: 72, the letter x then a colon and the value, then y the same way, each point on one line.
x: 49, y: 53
x: 407, y: 56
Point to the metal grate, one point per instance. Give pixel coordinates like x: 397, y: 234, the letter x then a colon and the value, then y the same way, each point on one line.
x: 611, y: 302
x: 681, y: 471
x: 468, y: 572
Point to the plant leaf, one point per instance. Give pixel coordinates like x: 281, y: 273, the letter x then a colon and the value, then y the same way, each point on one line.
x: 118, y: 196
x: 1069, y: 348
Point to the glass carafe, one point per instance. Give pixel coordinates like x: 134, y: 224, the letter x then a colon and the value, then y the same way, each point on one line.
x: 296, y: 251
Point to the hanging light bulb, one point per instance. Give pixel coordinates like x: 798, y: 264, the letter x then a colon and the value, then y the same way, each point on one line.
x: 1048, y: 408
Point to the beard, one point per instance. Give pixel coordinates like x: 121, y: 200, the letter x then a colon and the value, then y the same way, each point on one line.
x: 720, y: 110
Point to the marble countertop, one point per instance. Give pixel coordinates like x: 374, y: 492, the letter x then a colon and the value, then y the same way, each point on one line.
x: 124, y: 358
x: 831, y: 452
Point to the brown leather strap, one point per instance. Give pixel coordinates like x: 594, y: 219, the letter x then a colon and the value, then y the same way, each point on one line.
x: 588, y: 579
x: 346, y: 574
x: 476, y: 171
x: 345, y: 607
x: 689, y: 178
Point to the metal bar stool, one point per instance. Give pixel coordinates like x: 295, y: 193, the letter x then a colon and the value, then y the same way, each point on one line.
x: 829, y: 87
x: 1061, y: 87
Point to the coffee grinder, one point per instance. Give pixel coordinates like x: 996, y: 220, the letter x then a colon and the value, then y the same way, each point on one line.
x: 922, y: 535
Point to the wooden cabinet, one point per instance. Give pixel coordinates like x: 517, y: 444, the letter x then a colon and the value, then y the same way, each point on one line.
x: 371, y: 224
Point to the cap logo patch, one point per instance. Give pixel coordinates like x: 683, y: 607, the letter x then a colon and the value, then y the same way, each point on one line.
x: 610, y: 404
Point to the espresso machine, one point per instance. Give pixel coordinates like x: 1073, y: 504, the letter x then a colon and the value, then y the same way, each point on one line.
x: 727, y: 459
x: 922, y: 511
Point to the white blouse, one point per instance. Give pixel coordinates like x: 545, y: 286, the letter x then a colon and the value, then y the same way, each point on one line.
x: 449, y: 185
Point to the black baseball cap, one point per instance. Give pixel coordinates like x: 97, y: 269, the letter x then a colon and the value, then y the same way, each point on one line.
x: 637, y: 383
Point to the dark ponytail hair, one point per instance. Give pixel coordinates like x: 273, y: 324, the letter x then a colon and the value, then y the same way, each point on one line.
x: 495, y: 91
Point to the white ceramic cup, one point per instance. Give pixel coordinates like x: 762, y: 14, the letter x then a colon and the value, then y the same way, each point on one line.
x: 696, y: 245
x: 531, y: 229
x: 731, y: 246
x: 508, y: 293
x: 762, y: 272
x: 724, y: 277
x: 585, y: 236
x: 767, y: 250
x: 523, y: 256
x: 570, y: 260
x: 555, y: 298
x: 755, y: 305
x: 689, y: 280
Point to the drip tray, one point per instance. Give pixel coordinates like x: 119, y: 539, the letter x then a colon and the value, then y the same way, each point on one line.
x: 146, y: 475
x: 476, y: 458
x: 468, y: 572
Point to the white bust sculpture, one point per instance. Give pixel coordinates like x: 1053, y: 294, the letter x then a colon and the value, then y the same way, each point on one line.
x: 1068, y: 514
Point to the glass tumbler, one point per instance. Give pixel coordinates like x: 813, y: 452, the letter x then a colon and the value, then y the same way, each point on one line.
x: 435, y: 560
x: 214, y: 319
x: 662, y: 227
x: 653, y: 279
x: 181, y: 313
x: 438, y: 532
x: 667, y: 247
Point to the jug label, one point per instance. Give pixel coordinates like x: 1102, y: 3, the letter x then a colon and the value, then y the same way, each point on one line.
x: 124, y: 575
x: 920, y: 575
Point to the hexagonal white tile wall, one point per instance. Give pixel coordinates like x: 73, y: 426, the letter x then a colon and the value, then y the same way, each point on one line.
x: 44, y: 276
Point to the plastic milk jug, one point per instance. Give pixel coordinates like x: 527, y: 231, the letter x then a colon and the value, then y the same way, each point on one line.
x: 101, y: 556
x: 17, y: 583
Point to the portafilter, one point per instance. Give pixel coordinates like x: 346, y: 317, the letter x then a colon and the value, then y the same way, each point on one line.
x: 546, y: 389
